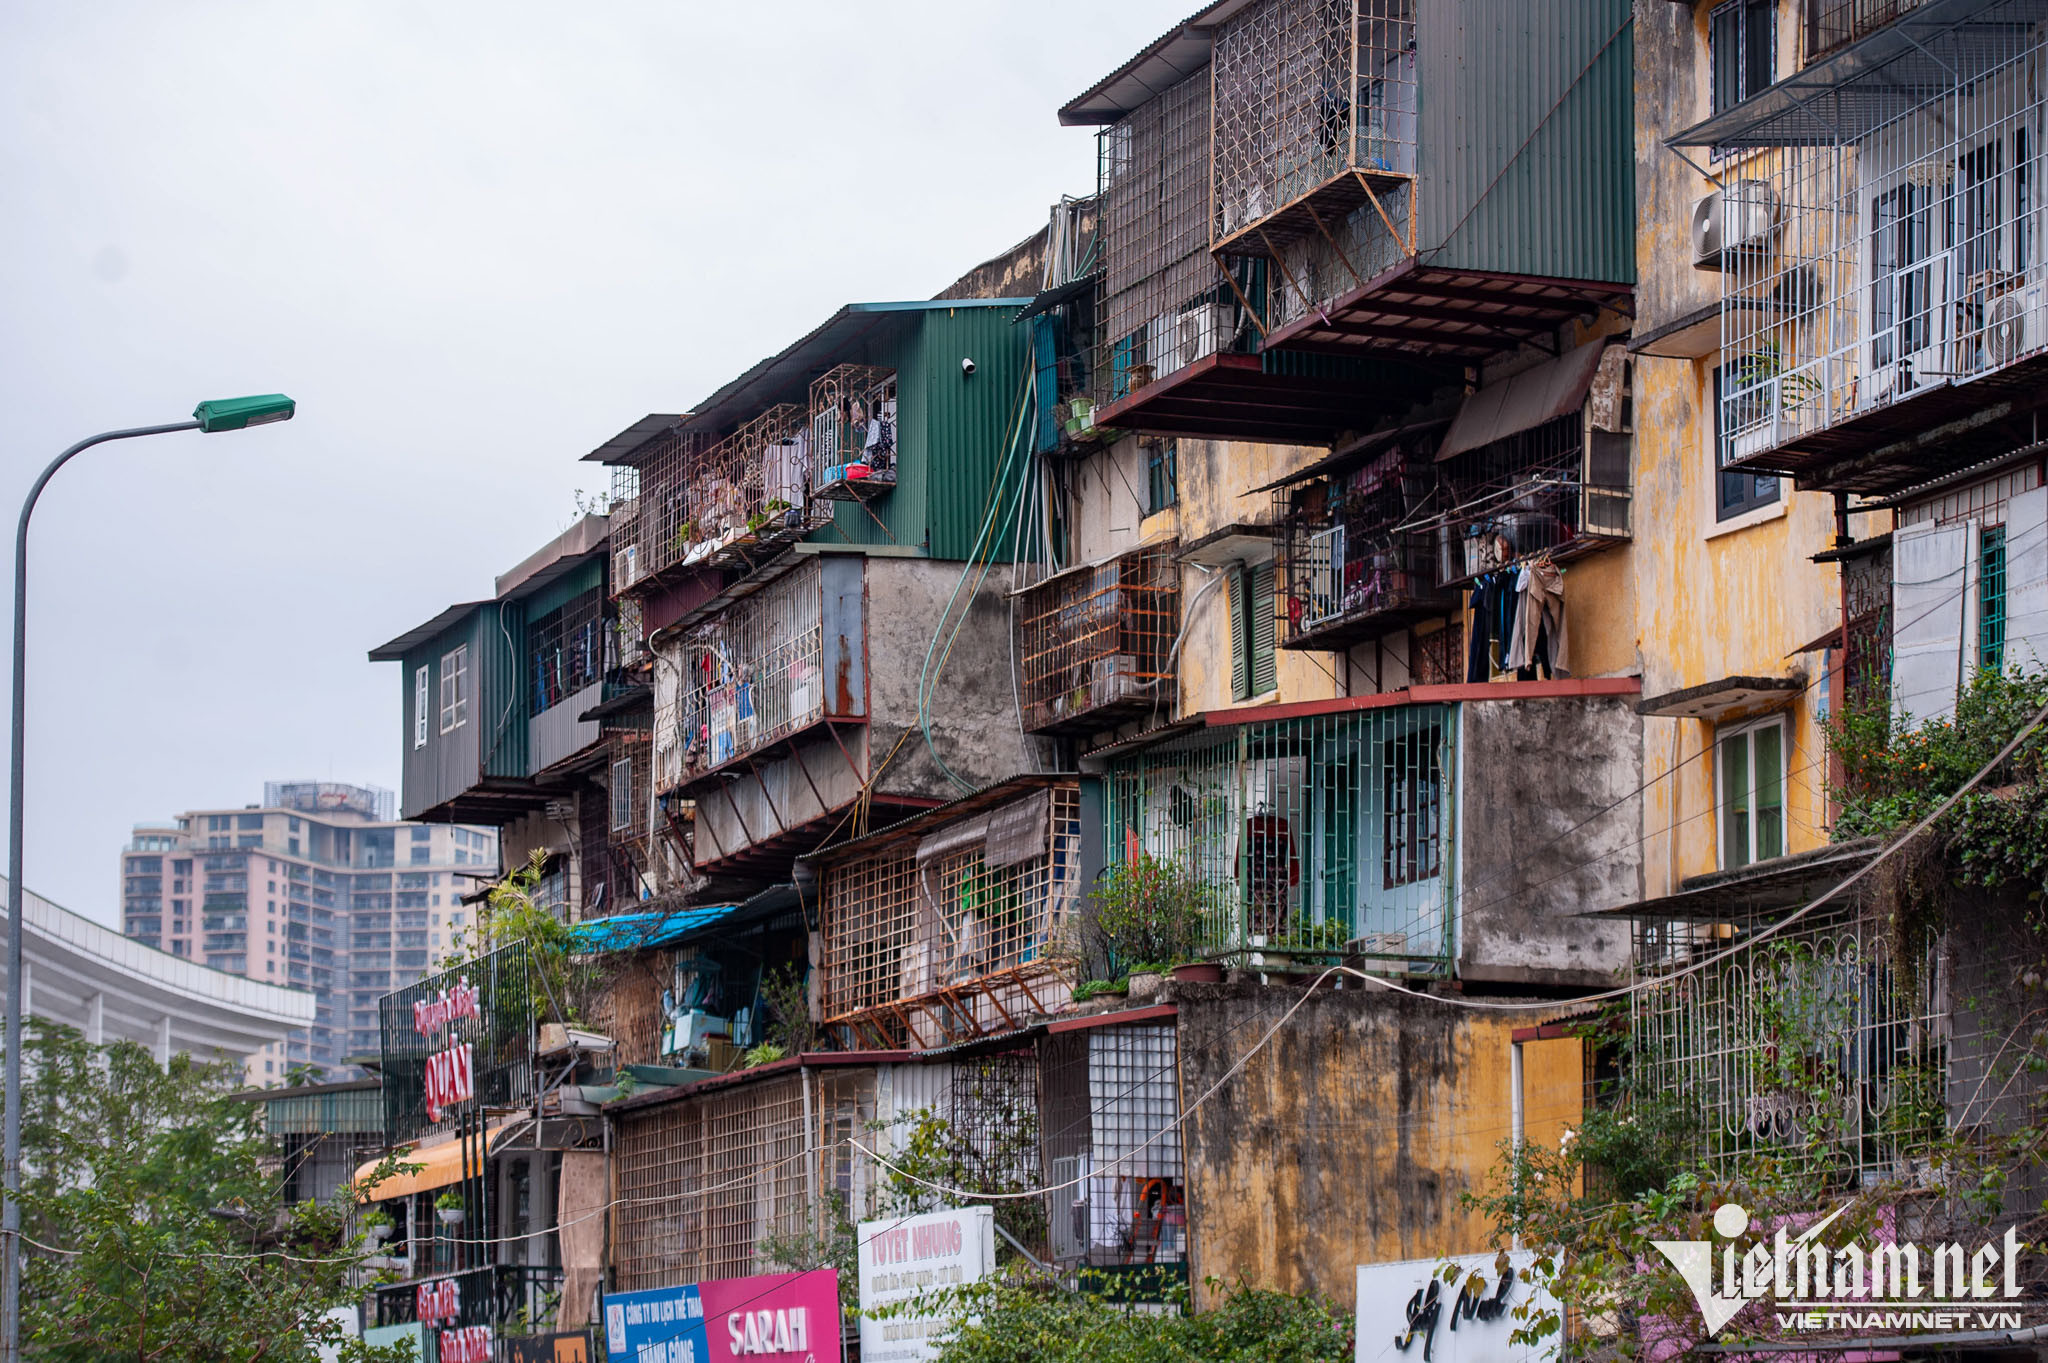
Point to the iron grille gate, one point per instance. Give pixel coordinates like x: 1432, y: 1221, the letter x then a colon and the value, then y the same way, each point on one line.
x: 1326, y: 830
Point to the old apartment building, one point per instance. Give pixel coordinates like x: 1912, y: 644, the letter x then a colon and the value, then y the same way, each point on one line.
x: 1415, y: 518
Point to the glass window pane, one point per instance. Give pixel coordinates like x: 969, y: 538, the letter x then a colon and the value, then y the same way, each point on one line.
x: 1735, y: 800
x: 1770, y: 792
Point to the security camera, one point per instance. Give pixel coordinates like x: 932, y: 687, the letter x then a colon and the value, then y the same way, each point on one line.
x: 966, y: 367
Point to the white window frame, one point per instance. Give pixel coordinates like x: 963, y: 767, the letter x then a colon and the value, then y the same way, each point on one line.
x: 1749, y: 729
x: 422, y: 697
x: 454, y: 688
x: 620, y: 789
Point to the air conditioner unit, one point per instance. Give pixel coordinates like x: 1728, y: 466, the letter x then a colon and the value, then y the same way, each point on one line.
x: 1202, y: 331
x: 2013, y: 325
x: 1737, y: 219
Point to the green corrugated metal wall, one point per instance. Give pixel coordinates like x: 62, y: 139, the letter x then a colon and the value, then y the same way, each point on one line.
x: 952, y: 427
x: 1494, y: 70
x: 500, y: 645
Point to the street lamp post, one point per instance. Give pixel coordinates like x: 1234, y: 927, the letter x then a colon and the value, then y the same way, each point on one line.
x: 227, y: 414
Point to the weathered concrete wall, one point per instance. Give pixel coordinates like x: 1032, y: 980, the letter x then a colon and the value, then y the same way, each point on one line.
x: 972, y: 703
x: 1548, y: 820
x: 1351, y: 1137
x: 1713, y: 599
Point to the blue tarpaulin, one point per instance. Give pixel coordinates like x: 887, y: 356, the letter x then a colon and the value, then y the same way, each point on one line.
x: 658, y: 928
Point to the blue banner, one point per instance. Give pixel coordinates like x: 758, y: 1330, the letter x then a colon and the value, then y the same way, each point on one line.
x: 665, y: 1325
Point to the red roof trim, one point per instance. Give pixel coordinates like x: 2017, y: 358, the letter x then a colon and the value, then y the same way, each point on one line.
x: 1157, y: 1010
x: 1562, y: 689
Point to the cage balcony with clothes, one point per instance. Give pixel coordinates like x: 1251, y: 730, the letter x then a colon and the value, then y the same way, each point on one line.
x: 853, y: 432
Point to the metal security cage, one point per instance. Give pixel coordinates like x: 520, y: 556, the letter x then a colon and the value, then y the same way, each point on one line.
x: 1314, y: 118
x: 1357, y: 549
x: 1846, y: 1042
x: 499, y: 1003
x: 1112, y: 1147
x: 752, y: 675
x: 852, y: 437
x: 964, y: 930
x: 1165, y: 303
x: 1095, y: 642
x: 1327, y: 833
x: 706, y: 1180
x: 1878, y: 236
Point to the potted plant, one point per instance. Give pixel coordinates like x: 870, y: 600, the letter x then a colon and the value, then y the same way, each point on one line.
x: 376, y: 1224
x: 449, y: 1207
x: 1198, y: 972
x: 1151, y: 909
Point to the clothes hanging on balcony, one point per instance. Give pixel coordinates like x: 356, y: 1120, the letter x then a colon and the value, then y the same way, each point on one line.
x: 1494, y: 604
x: 1539, y: 631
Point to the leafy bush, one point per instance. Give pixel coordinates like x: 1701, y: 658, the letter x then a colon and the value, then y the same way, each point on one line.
x: 1026, y: 1320
x: 1151, y: 909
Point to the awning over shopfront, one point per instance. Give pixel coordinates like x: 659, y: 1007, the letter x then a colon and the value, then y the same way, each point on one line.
x: 440, y: 1166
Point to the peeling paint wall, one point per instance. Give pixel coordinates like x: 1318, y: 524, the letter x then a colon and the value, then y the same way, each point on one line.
x: 1536, y: 849
x: 1713, y: 598
x: 1351, y: 1138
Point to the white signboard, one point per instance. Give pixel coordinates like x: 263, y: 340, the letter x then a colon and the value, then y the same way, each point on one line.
x: 1407, y: 1313
x: 903, y: 1256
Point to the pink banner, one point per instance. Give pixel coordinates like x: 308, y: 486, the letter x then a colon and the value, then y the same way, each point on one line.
x: 774, y: 1318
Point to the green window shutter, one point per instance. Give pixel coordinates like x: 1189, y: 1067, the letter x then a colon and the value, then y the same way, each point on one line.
x: 1260, y: 644
x: 1240, y: 662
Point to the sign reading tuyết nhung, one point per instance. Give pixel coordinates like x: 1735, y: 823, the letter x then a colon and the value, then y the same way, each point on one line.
x: 902, y: 1258
x: 772, y: 1318
x: 1409, y: 1313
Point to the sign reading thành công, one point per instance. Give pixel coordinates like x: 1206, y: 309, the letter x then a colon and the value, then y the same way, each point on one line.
x: 901, y: 1257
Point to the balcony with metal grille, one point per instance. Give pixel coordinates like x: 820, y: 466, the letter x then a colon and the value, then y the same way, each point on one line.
x: 1879, y: 243
x: 1297, y: 241
x: 1095, y: 642
x: 957, y: 923
x: 1396, y: 831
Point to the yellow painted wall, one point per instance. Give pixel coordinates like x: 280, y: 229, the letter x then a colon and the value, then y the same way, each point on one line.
x: 1352, y: 1137
x: 1712, y: 599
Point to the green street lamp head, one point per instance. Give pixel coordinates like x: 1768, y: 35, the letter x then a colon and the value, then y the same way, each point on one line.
x: 232, y: 414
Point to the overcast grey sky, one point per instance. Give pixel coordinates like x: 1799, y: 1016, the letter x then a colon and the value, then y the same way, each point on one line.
x: 473, y: 240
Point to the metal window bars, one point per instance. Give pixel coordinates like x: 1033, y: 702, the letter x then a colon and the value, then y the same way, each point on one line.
x: 566, y: 651
x: 1892, y: 248
x: 1844, y: 1041
x: 707, y: 1182
x: 1561, y: 489
x: 853, y: 432
x: 1165, y: 303
x: 1315, y: 106
x: 752, y: 675
x: 1867, y: 642
x: 965, y: 931
x: 1096, y: 640
x: 1111, y: 1111
x: 1326, y: 834
x: 1832, y: 23
x: 1357, y: 551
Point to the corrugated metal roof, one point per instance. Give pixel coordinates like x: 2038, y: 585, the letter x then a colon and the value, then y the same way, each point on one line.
x: 786, y: 375
x: 624, y: 447
x: 971, y: 803
x: 395, y: 650
x: 1164, y: 62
